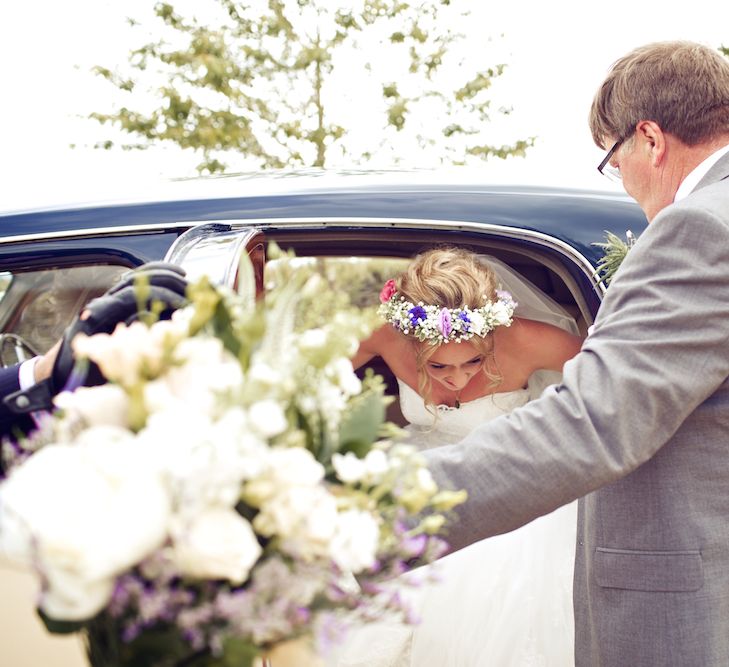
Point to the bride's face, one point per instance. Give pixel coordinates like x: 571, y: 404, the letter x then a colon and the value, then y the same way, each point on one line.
x: 454, y: 364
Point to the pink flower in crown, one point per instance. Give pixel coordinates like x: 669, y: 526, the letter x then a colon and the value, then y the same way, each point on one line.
x: 388, y: 291
x: 444, y: 322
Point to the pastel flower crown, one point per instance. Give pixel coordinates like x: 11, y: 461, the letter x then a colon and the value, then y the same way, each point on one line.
x: 443, y: 325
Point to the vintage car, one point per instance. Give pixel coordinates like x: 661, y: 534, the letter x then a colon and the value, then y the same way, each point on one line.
x: 53, y: 260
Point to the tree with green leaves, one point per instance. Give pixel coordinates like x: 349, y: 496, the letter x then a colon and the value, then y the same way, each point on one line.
x: 301, y: 83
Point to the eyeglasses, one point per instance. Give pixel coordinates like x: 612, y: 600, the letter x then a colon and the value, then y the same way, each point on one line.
x: 606, y: 169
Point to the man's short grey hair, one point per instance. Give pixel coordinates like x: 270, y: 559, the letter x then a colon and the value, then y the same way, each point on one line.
x: 682, y: 86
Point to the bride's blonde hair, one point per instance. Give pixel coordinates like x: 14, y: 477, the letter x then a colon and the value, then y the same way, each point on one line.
x: 449, y: 277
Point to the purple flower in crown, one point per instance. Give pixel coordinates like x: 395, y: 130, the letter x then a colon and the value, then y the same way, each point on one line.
x: 466, y: 326
x: 444, y: 322
x: 417, y: 314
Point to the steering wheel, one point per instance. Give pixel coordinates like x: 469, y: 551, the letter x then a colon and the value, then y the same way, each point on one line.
x: 15, y: 349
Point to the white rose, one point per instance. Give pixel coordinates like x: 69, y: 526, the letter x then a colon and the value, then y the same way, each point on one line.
x: 176, y: 441
x: 348, y: 467
x: 217, y: 544
x: 105, y: 404
x: 294, y: 466
x: 83, y: 514
x: 304, y: 517
x: 71, y: 597
x: 205, y: 371
x: 183, y: 447
x: 267, y: 418
x: 354, y: 544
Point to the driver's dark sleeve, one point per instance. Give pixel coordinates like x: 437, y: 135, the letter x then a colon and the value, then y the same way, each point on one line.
x: 10, y: 383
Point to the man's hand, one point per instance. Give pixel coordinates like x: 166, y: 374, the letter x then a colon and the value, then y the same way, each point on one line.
x: 44, y: 366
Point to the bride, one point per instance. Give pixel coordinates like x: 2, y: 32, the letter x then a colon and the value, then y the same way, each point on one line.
x: 463, y: 351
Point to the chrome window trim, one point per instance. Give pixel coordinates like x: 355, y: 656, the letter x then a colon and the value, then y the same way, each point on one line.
x: 413, y: 223
x: 97, y: 231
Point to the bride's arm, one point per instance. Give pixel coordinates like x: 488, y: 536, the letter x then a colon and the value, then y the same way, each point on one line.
x: 371, y: 347
x: 546, y: 346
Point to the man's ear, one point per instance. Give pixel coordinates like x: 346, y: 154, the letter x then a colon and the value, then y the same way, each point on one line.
x: 653, y: 140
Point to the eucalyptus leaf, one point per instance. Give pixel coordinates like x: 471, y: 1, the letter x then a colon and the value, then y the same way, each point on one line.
x: 361, y: 423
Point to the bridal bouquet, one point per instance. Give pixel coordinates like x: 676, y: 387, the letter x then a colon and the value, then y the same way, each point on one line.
x: 232, y: 488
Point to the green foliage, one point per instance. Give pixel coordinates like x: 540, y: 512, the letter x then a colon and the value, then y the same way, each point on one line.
x: 346, y: 281
x: 364, y: 418
x: 261, y: 82
x: 159, y: 646
x: 616, y: 251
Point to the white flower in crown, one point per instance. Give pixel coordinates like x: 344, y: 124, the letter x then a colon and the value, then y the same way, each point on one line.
x: 442, y: 325
x: 503, y: 309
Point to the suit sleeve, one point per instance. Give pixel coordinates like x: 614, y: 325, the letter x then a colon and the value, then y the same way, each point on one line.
x: 660, y: 347
x: 9, y: 421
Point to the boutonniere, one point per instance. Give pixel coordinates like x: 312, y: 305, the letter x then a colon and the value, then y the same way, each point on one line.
x: 615, y: 251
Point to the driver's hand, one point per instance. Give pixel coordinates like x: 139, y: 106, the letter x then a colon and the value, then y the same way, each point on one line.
x: 44, y: 366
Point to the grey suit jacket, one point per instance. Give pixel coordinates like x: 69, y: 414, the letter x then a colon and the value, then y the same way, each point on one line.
x: 639, y: 430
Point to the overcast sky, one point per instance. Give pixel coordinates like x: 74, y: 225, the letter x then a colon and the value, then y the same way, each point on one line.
x: 557, y: 52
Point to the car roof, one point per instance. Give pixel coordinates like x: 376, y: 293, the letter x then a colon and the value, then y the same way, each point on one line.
x: 577, y: 216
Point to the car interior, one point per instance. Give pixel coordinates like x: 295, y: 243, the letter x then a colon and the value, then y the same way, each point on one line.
x: 36, y: 306
x: 363, y: 265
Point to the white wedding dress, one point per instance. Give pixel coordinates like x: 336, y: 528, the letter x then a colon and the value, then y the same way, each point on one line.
x: 502, y: 602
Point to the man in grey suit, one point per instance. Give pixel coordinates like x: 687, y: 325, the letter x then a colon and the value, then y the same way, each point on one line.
x: 639, y: 428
